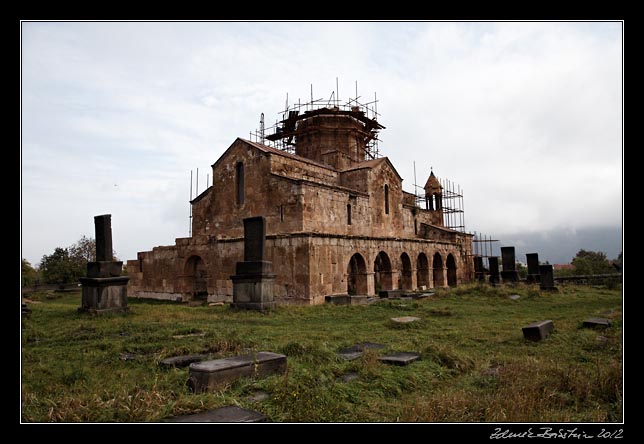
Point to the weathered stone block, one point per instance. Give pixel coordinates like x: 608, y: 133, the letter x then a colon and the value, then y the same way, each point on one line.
x: 547, y: 277
x: 533, y: 267
x: 538, y: 330
x: 402, y: 358
x: 597, y: 323
x: 103, y: 230
x: 254, y: 239
x: 104, y: 295
x: 212, y: 375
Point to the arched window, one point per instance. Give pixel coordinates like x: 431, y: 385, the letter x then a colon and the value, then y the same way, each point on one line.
x: 348, y: 214
x: 239, y: 180
x: 386, y: 199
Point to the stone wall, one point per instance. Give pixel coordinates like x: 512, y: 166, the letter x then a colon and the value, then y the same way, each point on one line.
x: 308, y: 266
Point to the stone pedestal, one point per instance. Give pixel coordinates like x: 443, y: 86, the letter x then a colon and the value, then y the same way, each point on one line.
x: 104, y: 295
x: 253, y: 286
x: 104, y: 289
x: 538, y: 330
x: 533, y: 268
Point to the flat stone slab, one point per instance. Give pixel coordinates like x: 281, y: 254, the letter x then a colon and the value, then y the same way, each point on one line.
x: 405, y: 319
x: 230, y: 413
x: 390, y: 293
x: 421, y: 295
x: 402, y: 358
x: 350, y: 356
x: 597, y: 323
x: 259, y: 396
x: 514, y: 297
x: 538, y: 330
x: 182, y: 361
x: 212, y: 375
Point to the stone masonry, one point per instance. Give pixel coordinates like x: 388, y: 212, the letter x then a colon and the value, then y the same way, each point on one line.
x: 337, y: 222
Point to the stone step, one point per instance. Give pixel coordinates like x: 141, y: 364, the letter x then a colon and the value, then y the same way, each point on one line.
x: 213, y: 375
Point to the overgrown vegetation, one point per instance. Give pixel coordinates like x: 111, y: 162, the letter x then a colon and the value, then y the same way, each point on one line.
x: 475, y: 364
x: 588, y: 262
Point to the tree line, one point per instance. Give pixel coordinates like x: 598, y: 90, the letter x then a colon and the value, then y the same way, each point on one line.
x: 63, y: 266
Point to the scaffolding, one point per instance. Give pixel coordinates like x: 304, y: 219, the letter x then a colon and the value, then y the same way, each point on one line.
x: 483, y: 246
x: 451, y: 203
x: 282, y: 135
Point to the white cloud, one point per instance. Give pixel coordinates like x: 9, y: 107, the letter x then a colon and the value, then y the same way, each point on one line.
x: 526, y: 117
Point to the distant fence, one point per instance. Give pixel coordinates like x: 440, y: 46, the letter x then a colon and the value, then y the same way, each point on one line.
x: 50, y: 287
x: 591, y: 279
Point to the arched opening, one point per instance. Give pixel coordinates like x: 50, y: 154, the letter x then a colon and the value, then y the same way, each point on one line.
x: 451, y: 270
x: 382, y: 272
x: 422, y: 271
x: 386, y: 199
x: 196, y: 277
x: 437, y: 265
x: 239, y: 181
x: 357, y: 276
x: 405, y: 275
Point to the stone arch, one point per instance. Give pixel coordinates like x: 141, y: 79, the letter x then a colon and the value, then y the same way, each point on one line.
x: 406, y: 282
x: 196, y: 277
x: 382, y: 272
x: 357, y: 275
x: 451, y: 270
x: 437, y: 265
x: 422, y: 270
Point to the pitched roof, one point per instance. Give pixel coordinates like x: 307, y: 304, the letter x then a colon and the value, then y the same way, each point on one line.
x: 372, y: 164
x: 432, y: 182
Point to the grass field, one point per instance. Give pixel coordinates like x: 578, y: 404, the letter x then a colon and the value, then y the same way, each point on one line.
x: 475, y: 365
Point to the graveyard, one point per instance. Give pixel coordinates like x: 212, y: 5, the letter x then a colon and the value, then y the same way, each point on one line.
x: 447, y: 355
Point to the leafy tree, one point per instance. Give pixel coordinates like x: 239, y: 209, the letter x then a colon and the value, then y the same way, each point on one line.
x: 84, y: 250
x: 591, y: 262
x: 29, y: 274
x: 617, y: 263
x: 60, y: 268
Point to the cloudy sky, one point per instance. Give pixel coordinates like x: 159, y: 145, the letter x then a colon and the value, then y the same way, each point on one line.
x: 525, y: 117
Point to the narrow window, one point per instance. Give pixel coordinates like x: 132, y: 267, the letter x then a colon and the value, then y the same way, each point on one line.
x: 240, y: 183
x: 348, y: 214
x: 386, y: 199
x: 282, y: 213
x: 415, y: 226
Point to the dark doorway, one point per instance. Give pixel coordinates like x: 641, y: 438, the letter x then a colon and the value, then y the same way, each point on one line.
x: 422, y: 271
x: 406, y: 277
x: 451, y: 271
x: 437, y: 265
x: 357, y: 275
x: 196, y: 277
x: 382, y: 272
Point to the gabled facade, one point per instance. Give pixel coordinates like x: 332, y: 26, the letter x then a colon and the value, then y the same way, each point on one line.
x: 336, y: 223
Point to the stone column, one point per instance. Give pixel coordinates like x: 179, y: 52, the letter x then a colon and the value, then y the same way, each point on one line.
x: 547, y: 277
x: 104, y: 289
x: 494, y: 269
x: 254, y: 281
x: 479, y: 275
x: 445, y: 284
x: 533, y: 267
x: 509, y: 273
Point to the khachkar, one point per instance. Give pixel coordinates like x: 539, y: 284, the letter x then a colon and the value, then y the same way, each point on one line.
x: 254, y: 279
x: 104, y: 289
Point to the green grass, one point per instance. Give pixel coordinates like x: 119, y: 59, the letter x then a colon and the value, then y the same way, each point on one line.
x: 475, y: 364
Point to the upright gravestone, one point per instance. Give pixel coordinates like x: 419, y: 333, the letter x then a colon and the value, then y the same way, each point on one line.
x: 254, y: 280
x: 547, y: 277
x: 104, y: 289
x: 509, y: 273
x: 493, y: 262
x: 533, y: 267
x: 479, y: 274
